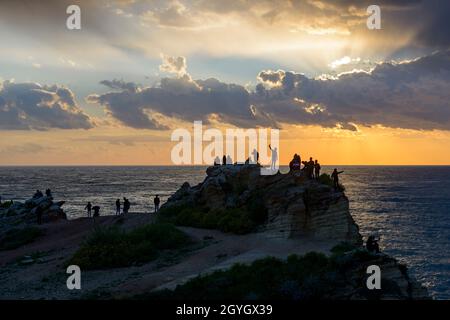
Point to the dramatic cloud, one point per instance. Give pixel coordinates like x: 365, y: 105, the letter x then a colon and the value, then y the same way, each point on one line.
x: 411, y: 95
x: 175, y: 65
x: 25, y: 106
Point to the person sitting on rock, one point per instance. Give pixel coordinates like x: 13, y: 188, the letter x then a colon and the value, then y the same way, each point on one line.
x: 372, y: 244
x: 89, y: 209
x: 335, y: 177
x: 96, y: 211
x: 217, y: 161
x: 38, y: 194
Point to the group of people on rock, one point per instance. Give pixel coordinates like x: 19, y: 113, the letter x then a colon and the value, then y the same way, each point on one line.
x: 312, y: 169
x: 121, y: 208
x: 38, y: 194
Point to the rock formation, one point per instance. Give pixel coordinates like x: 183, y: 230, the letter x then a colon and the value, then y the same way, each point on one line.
x: 300, y: 207
x: 296, y: 206
x: 27, y: 211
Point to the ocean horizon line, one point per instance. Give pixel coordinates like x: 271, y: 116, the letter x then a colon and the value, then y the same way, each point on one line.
x: 195, y: 166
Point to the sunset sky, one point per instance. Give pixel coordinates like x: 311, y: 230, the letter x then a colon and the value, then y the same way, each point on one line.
x: 113, y: 92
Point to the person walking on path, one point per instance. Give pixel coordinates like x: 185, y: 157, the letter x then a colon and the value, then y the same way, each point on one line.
x: 89, y: 209
x: 126, y: 205
x: 117, y: 207
x: 156, y: 201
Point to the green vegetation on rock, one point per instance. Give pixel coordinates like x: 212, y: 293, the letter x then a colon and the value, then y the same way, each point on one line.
x: 6, y: 204
x: 240, y: 220
x: 112, y: 247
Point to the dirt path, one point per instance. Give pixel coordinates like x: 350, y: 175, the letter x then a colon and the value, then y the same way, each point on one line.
x: 46, y: 279
x: 223, y: 251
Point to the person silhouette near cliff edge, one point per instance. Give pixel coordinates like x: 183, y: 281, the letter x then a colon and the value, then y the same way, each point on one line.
x: 335, y: 177
x: 273, y: 164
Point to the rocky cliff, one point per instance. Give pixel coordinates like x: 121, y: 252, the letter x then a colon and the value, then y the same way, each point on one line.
x: 296, y: 206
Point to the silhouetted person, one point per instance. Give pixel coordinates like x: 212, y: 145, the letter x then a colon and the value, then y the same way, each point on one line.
x: 310, y: 168
x: 89, y: 209
x: 126, y: 205
x: 294, y: 165
x: 156, y: 201
x: 117, y: 206
x: 255, y: 155
x: 317, y: 169
x: 229, y: 160
x: 273, y: 164
x: 372, y: 244
x: 48, y: 193
x: 335, y: 177
x: 217, y: 161
x: 224, y: 160
x: 39, y: 214
x: 96, y: 211
x: 38, y: 194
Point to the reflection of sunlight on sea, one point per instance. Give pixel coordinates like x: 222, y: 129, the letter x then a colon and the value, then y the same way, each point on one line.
x: 407, y: 206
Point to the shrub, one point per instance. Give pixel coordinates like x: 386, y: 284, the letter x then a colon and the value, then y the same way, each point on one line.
x: 325, y: 178
x: 16, y: 238
x: 6, y: 204
x: 300, y: 277
x: 311, y: 276
x: 112, y: 247
x: 235, y: 220
x: 342, y: 248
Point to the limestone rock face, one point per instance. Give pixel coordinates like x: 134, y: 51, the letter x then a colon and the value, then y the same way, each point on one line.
x: 296, y: 206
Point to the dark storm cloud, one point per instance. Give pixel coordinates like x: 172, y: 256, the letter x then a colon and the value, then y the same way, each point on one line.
x: 25, y: 106
x: 413, y: 95
x: 181, y: 98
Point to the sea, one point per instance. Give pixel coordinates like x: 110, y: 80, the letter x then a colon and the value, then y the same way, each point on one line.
x: 407, y: 206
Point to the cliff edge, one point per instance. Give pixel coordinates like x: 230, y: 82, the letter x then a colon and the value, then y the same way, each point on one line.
x: 294, y: 205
